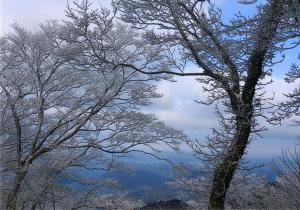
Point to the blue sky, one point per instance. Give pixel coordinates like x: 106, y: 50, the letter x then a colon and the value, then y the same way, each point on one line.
x: 177, y: 106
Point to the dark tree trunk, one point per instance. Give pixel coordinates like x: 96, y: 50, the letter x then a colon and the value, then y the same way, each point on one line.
x: 34, y: 205
x: 11, y: 202
x: 224, y: 172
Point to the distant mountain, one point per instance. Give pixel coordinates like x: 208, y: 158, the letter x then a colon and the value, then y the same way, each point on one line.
x: 152, y: 194
x: 143, y: 184
x: 148, y: 179
x: 171, y: 204
x: 139, y: 178
x: 265, y: 169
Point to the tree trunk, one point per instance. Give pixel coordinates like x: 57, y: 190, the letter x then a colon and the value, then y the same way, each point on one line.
x: 34, y: 205
x: 225, y: 171
x: 11, y: 202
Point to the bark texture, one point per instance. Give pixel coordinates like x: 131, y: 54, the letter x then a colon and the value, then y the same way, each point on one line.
x: 243, y: 109
x: 12, y: 197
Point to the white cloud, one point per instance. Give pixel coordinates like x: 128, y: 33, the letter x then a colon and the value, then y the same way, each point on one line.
x: 177, y: 106
x: 31, y: 13
x: 178, y: 109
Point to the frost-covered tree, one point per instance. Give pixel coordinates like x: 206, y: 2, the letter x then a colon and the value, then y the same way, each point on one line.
x: 47, y: 183
x: 247, y: 191
x: 291, y: 108
x: 233, y: 57
x: 60, y: 93
x: 288, y: 182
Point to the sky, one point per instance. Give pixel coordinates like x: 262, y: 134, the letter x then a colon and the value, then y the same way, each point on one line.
x: 177, y: 107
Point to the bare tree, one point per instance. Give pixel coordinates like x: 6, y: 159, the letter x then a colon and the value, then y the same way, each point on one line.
x: 247, y: 191
x: 43, y: 186
x: 233, y: 59
x: 291, y: 107
x: 250, y: 190
x: 288, y: 181
x: 60, y: 91
x: 288, y: 165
